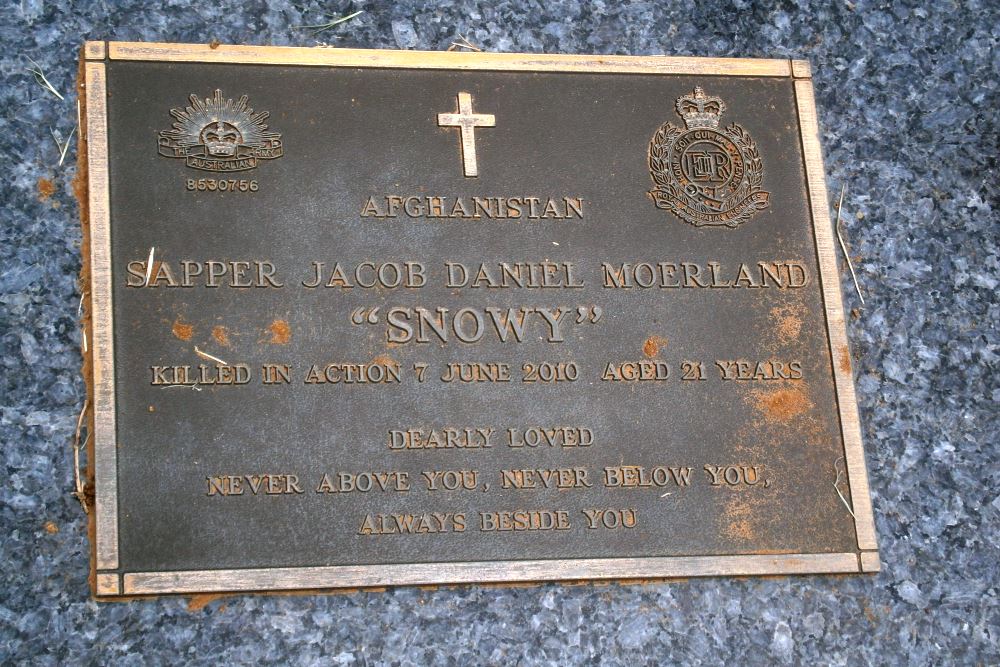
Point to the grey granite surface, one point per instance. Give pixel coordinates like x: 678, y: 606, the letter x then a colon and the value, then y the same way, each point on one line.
x: 908, y: 104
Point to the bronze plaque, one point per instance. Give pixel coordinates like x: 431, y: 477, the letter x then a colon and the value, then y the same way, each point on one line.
x: 367, y: 318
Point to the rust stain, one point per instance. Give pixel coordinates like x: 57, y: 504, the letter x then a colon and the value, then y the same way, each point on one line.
x: 845, y: 360
x: 89, y: 493
x: 750, y: 517
x: 869, y: 614
x: 652, y: 346
x: 199, y: 602
x: 740, y: 530
x: 788, y: 321
x: 384, y: 360
x: 51, y: 528
x: 46, y: 188
x: 281, y: 333
x: 79, y: 185
x: 738, y: 520
x: 221, y: 335
x: 781, y: 405
x: 182, y: 330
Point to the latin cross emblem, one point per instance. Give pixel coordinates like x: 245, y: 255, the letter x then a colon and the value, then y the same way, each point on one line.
x: 467, y: 121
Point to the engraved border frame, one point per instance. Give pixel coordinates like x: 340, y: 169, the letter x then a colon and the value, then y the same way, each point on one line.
x: 108, y: 581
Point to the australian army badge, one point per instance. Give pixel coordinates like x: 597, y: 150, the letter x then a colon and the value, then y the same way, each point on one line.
x: 220, y: 135
x: 706, y: 175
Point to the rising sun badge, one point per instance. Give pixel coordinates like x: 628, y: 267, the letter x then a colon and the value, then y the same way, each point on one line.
x: 214, y: 134
x: 703, y: 174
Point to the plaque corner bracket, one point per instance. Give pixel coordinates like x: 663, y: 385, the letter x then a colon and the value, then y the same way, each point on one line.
x: 94, y: 50
x: 801, y: 69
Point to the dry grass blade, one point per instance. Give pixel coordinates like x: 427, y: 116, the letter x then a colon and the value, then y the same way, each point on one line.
x: 149, y: 266
x: 463, y: 43
x: 62, y: 154
x: 42, y: 79
x: 836, y: 486
x: 843, y: 246
x: 209, y: 357
x: 320, y: 27
x: 63, y: 147
x: 78, y: 481
x: 194, y: 386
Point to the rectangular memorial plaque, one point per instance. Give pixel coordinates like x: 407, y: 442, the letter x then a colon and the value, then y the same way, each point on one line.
x: 365, y: 318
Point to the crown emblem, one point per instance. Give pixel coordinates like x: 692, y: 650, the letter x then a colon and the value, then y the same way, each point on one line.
x: 216, y: 134
x: 700, y: 110
x: 704, y: 174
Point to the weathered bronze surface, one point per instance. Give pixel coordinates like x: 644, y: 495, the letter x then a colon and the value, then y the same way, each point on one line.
x: 365, y: 318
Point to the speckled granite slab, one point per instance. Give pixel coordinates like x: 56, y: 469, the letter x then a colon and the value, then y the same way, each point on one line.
x: 907, y: 95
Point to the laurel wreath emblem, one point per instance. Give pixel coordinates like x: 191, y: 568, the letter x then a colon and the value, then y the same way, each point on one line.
x: 669, y: 195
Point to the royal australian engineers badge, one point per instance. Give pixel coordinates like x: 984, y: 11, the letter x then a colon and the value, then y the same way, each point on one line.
x: 706, y: 175
x: 220, y: 135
